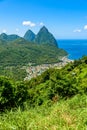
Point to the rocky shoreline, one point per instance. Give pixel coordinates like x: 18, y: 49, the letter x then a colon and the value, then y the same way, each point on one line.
x: 33, y: 71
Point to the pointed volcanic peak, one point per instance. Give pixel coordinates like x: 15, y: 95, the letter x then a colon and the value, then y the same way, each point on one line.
x: 45, y: 37
x: 29, y: 36
x: 7, y: 38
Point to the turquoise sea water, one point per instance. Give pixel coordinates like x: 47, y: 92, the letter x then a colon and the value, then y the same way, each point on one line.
x: 75, y: 48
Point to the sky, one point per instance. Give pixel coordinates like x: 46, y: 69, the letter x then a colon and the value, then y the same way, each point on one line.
x: 65, y: 19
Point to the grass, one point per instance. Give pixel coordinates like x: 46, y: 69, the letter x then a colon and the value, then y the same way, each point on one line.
x: 63, y: 115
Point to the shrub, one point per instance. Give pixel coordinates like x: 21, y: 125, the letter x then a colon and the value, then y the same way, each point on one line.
x: 6, y: 94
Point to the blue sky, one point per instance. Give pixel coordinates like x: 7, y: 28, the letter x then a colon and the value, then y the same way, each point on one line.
x: 66, y: 19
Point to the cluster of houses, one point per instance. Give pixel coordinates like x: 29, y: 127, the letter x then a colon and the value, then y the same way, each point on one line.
x: 33, y: 71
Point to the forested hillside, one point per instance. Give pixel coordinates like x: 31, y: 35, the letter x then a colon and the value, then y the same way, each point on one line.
x: 57, y: 97
x: 49, y: 87
x: 22, y: 52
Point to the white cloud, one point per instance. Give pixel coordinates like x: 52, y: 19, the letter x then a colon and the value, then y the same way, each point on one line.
x: 41, y: 24
x: 4, y: 30
x: 29, y: 23
x: 77, y: 30
x: 85, y: 27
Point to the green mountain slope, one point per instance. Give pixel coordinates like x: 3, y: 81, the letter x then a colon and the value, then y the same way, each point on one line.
x: 21, y: 52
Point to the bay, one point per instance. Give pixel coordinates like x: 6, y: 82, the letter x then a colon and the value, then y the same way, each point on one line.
x: 75, y: 48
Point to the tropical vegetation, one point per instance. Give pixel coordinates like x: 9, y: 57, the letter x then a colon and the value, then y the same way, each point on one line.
x: 57, y: 99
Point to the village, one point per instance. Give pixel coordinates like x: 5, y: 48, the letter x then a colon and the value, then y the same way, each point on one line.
x: 33, y: 71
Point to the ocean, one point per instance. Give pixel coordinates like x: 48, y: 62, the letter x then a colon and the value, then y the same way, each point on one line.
x: 75, y: 48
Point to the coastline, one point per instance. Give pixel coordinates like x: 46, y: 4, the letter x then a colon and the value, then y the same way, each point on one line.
x: 66, y: 59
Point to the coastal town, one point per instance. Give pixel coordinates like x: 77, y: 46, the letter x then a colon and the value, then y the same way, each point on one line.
x: 33, y: 71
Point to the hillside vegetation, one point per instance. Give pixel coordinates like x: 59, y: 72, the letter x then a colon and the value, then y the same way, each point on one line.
x: 51, y: 86
x: 64, y: 115
x: 55, y: 100
x: 21, y: 52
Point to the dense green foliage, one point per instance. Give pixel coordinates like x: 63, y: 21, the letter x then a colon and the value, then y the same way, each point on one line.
x: 12, y: 94
x: 54, y: 84
x: 16, y: 73
x: 55, y: 100
x: 45, y: 37
x: 51, y: 86
x: 6, y: 94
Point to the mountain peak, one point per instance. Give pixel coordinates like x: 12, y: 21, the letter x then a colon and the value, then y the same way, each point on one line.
x: 44, y: 29
x: 45, y: 37
x: 29, y: 36
x: 29, y: 31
